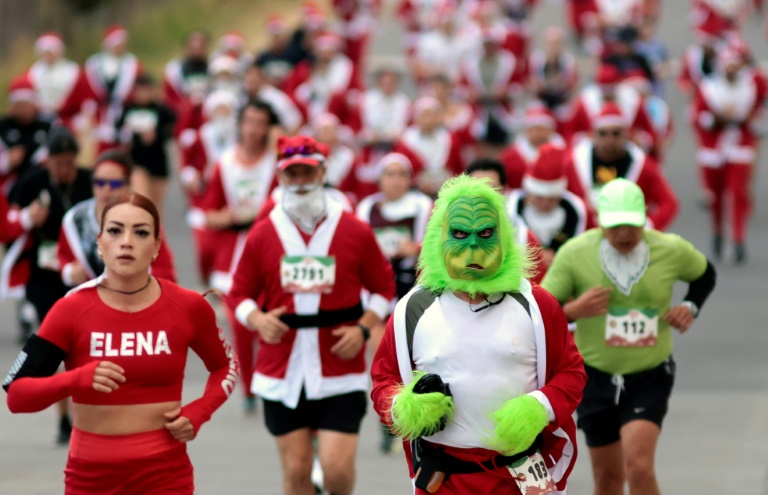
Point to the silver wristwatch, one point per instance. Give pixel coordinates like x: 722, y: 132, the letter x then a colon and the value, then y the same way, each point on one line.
x: 691, y: 307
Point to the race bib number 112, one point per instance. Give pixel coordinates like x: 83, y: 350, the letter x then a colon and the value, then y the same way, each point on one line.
x: 313, y: 274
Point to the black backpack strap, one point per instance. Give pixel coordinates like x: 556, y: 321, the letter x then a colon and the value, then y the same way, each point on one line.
x: 417, y: 304
x: 522, y: 300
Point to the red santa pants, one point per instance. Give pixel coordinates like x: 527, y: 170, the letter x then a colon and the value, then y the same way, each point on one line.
x: 150, y: 463
x: 205, y: 241
x: 731, y: 180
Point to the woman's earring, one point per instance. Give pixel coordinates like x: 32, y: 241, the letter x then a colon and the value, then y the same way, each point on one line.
x: 99, y: 253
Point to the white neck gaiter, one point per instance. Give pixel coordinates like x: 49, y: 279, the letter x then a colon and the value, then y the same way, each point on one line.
x: 305, y: 209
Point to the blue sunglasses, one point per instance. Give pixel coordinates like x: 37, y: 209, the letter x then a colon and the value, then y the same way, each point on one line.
x: 113, y: 183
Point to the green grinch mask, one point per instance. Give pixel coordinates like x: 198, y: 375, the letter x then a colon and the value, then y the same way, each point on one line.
x: 471, y: 243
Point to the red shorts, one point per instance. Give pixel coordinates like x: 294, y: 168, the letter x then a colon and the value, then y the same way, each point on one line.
x: 150, y: 463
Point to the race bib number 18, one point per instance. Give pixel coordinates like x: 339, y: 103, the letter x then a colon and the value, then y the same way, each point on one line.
x: 631, y: 327
x: 302, y: 274
x: 532, y: 476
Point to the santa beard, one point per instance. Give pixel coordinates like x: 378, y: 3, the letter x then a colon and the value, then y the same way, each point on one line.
x: 305, y: 209
x: 624, y: 270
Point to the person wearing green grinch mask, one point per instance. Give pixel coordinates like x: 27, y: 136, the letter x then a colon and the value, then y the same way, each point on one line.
x: 477, y: 369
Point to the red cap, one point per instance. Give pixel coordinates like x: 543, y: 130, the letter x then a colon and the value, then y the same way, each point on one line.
x: 21, y: 89
x: 610, y: 116
x: 539, y: 115
x: 608, y: 75
x: 114, y: 35
x: 276, y: 24
x: 711, y: 30
x: 546, y: 177
x: 302, y: 150
x: 49, y: 42
x: 233, y: 40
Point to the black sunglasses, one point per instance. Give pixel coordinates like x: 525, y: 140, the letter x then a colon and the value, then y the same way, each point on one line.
x: 614, y: 133
x: 113, y: 183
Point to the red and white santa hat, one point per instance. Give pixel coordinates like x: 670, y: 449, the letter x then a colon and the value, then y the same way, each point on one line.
x: 391, y: 159
x: 314, y: 18
x: 232, y: 41
x: 49, y: 42
x: 223, y: 63
x: 218, y: 98
x: 608, y: 75
x: 22, y: 89
x: 299, y: 150
x: 546, y: 177
x: 276, y: 24
x: 328, y: 41
x: 610, y: 116
x: 710, y: 31
x: 114, y: 35
x: 539, y: 115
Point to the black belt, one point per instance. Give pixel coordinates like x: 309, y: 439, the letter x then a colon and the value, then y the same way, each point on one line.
x: 239, y: 227
x: 429, y: 459
x: 324, y: 318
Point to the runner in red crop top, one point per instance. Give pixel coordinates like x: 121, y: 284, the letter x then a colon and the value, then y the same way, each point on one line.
x: 124, y: 338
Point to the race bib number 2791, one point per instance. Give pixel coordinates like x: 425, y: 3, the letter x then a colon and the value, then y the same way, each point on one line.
x: 308, y: 274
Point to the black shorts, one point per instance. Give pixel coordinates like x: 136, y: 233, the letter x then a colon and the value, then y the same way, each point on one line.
x: 342, y: 413
x: 644, y: 395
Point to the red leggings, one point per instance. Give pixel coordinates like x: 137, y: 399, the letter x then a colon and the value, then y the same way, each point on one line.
x: 246, y: 345
x: 729, y: 180
x: 150, y: 463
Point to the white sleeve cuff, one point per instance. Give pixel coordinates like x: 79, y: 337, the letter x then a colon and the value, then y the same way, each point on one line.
x: 379, y: 305
x: 539, y: 396
x: 66, y: 275
x: 244, y: 309
x: 196, y: 218
x: 25, y: 219
x: 188, y: 175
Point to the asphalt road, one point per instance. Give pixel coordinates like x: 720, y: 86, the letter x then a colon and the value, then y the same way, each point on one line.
x: 715, y: 439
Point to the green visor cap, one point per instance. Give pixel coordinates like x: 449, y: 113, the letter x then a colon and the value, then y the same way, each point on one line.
x: 621, y: 202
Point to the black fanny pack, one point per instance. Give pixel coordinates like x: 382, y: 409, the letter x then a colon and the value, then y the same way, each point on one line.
x: 324, y: 317
x: 433, y: 466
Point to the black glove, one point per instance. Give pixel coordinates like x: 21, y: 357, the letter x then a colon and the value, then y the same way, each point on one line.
x: 431, y: 383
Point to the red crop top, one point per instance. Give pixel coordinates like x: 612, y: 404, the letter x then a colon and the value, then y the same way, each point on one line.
x: 150, y: 345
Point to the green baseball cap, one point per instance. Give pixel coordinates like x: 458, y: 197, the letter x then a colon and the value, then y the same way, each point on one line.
x: 621, y: 202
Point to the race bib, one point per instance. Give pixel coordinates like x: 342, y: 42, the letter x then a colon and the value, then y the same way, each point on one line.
x: 390, y: 239
x: 532, y: 476
x: 247, y: 196
x: 46, y: 256
x: 630, y: 327
x: 313, y: 274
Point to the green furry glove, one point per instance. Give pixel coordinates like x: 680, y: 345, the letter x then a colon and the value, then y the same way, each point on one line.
x: 423, y: 407
x: 518, y: 422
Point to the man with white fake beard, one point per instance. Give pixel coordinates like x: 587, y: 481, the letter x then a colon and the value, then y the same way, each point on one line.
x: 616, y: 283
x: 306, y: 264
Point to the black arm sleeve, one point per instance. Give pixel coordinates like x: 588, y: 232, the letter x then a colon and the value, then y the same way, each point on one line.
x: 39, y: 358
x: 700, y: 289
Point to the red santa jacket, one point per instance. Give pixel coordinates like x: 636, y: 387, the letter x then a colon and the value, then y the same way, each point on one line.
x: 560, y: 371
x: 65, y: 96
x: 590, y: 103
x: 439, y: 151
x: 359, y: 264
x: 722, y: 140
x: 244, y: 189
x: 660, y: 199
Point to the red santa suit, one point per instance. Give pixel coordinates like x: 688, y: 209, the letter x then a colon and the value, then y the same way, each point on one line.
x: 582, y: 15
x: 727, y: 146
x: 521, y: 154
x: 303, y: 357
x: 591, y: 101
x: 61, y: 87
x: 111, y: 81
x: 566, y: 82
x: 244, y: 188
x: 382, y: 116
x: 504, y: 81
x: 362, y: 181
x: 358, y: 20
x: 312, y: 88
x: 695, y: 64
x: 181, y: 80
x: 529, y: 351
x: 587, y: 175
x: 77, y: 244
x: 14, y: 225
